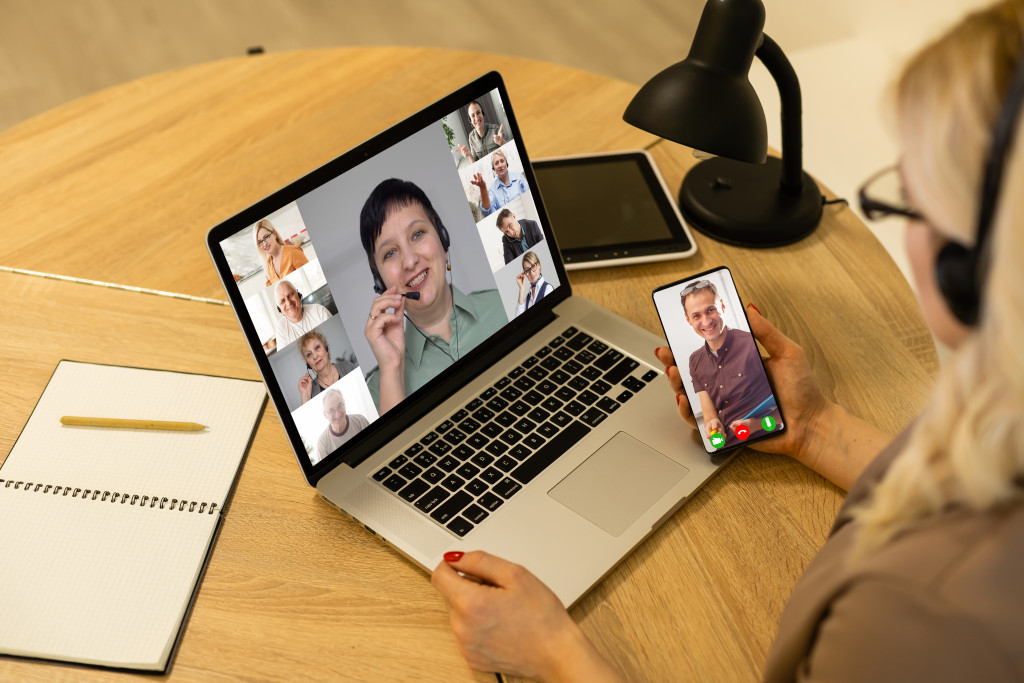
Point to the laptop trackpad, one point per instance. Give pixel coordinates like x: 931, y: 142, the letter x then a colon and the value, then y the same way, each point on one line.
x: 618, y: 483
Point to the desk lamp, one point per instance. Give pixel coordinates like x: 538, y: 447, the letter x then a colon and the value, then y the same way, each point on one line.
x: 741, y: 196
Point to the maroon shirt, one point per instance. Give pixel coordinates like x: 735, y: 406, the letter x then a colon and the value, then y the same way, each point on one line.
x: 734, y: 379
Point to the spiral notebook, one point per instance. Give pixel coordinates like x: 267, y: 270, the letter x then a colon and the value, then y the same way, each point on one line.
x: 105, y: 532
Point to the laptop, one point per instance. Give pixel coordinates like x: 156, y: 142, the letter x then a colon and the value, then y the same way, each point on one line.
x: 434, y: 373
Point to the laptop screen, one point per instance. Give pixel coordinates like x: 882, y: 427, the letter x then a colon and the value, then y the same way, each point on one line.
x: 363, y: 284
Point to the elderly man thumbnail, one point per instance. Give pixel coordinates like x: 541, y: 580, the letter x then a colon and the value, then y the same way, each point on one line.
x: 507, y: 185
x: 298, y: 318
x: 341, y: 426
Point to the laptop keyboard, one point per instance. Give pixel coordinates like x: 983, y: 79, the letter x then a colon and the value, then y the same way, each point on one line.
x: 485, y: 452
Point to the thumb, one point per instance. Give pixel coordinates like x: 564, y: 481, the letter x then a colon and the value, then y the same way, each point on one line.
x: 773, y: 341
x: 501, y: 129
x: 486, y: 567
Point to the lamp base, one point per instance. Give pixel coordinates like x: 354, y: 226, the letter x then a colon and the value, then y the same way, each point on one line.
x: 744, y: 204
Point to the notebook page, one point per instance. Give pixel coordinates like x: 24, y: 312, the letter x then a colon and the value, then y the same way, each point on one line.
x: 192, y: 466
x: 94, y: 582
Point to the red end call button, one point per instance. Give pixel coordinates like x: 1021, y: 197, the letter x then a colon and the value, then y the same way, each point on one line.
x: 742, y: 432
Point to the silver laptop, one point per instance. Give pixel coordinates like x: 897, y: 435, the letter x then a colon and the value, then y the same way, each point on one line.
x: 438, y: 381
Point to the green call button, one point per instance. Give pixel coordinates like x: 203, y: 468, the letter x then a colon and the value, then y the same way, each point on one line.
x: 769, y: 423
x: 717, y: 440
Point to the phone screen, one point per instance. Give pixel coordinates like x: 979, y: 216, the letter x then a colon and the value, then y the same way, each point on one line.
x: 721, y: 368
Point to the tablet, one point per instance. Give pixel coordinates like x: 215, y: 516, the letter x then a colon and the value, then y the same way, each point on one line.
x: 611, y: 209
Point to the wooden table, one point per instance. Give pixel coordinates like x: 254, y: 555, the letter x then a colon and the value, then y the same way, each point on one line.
x: 121, y: 186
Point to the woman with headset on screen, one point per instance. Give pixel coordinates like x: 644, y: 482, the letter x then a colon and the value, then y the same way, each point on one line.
x: 407, y: 247
x: 920, y: 577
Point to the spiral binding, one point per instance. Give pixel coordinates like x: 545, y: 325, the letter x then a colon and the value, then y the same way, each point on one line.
x: 162, y: 502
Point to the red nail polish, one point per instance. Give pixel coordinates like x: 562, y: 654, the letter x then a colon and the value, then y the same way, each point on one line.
x: 453, y: 556
x: 756, y: 309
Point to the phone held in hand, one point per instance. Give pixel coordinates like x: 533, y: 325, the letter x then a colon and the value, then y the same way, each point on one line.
x: 723, y: 376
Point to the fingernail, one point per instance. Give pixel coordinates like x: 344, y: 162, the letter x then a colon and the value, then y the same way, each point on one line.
x: 453, y: 556
x: 679, y: 397
x: 756, y: 309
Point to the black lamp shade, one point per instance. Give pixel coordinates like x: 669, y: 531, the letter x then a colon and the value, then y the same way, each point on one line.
x: 706, y: 101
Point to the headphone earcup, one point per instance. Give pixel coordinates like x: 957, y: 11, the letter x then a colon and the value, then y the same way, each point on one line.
x: 442, y: 234
x: 956, y: 273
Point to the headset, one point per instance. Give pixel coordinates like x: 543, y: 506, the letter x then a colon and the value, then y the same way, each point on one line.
x: 960, y: 270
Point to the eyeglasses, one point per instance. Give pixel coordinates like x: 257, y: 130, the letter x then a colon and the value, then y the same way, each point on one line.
x: 530, y: 269
x: 694, y: 286
x: 882, y: 195
x: 266, y: 238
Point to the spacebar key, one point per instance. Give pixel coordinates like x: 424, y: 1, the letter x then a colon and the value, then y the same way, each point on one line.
x: 537, y: 463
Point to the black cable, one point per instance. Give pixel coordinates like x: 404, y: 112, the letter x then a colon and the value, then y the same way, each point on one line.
x: 840, y: 200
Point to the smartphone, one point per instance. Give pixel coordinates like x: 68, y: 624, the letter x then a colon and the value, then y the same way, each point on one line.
x: 723, y: 376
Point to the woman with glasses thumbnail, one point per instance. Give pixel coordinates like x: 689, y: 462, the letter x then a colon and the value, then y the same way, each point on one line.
x: 277, y: 257
x: 532, y: 285
x: 919, y: 579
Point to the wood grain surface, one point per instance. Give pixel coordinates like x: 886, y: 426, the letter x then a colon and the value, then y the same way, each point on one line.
x: 121, y: 186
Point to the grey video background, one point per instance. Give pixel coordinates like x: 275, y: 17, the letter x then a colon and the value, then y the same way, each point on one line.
x: 331, y: 214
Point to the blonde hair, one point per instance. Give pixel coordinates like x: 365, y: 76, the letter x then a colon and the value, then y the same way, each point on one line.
x: 265, y: 225
x: 967, y: 448
x: 531, y: 258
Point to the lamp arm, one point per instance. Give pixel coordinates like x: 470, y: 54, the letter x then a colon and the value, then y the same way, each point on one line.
x: 778, y: 66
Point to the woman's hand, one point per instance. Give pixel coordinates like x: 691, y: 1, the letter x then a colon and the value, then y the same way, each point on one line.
x: 506, y: 620
x: 712, y: 426
x: 306, y: 387
x: 521, y: 281
x: 795, y: 389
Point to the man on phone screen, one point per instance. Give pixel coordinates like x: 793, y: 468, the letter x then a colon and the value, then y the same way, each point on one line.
x: 726, y: 371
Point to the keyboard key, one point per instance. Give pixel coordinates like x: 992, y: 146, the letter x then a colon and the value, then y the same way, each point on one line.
x: 550, y: 363
x: 475, y: 513
x: 546, y: 387
x: 460, y: 527
x: 534, y: 398
x: 556, y: 342
x: 424, y: 459
x: 455, y: 437
x: 433, y: 475
x: 624, y: 396
x: 463, y: 452
x: 469, y: 425
x: 489, y: 501
x: 415, y: 489
x: 649, y: 375
x: 506, y: 419
x: 482, y: 460
x: 452, y: 506
x: 608, y: 405
x: 538, y: 415
x: 448, y: 463
x: 461, y: 415
x: 505, y: 464
x: 534, y: 441
x: 593, y: 417
x: 530, y: 362
x: 525, y: 426
x: 516, y: 371
x: 453, y: 482
x: 496, y: 448
x: 572, y: 367
x: 444, y: 426
x: 579, y: 341
x: 543, y: 352
x: 413, y: 449
x: 551, y: 405
x: 560, y: 377
x: 511, y: 437
x: 410, y: 471
x: 561, y: 419
x: 474, y: 404
x: 609, y: 359
x: 633, y: 384
x: 578, y: 383
x: 564, y: 354
x: 467, y: 471
x: 540, y: 460
x: 439, y: 448
x: 506, y: 488
x: 600, y: 387
x: 382, y: 474
x: 575, y: 408
x: 538, y: 373
x: 520, y: 408
x: 502, y: 383
x: 510, y: 393
x: 497, y: 404
x: 591, y: 373
x: 524, y: 383
x: 491, y: 391
x: 491, y: 475
x: 476, y: 487
x: 432, y: 499
x: 587, y: 397
x: 598, y: 347
x: 570, y: 331
x: 547, y: 430
x: 394, y: 482
x: 521, y: 452
x: 398, y: 462
x: 477, y: 441
x: 565, y: 394
x: 586, y: 357
x: 621, y: 371
x: 483, y: 415
x: 491, y: 429
x: 429, y: 438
